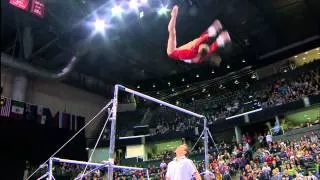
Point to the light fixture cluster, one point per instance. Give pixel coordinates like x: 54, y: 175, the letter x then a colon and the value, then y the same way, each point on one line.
x: 119, y: 9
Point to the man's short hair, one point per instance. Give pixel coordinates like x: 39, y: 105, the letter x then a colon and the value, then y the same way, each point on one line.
x: 187, y: 149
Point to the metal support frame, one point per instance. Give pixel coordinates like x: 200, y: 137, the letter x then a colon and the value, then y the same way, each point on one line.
x: 50, y: 169
x: 123, y: 88
x: 113, y: 131
x: 110, y: 163
x: 206, y: 153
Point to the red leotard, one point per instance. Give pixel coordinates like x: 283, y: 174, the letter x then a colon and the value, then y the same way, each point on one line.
x: 189, y: 54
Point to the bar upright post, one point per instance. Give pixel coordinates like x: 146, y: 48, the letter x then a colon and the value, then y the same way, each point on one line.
x: 113, y: 131
x: 50, y: 169
x: 206, y: 154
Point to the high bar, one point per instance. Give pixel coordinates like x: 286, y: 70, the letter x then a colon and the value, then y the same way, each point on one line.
x: 94, y: 164
x: 242, y: 114
x: 158, y: 101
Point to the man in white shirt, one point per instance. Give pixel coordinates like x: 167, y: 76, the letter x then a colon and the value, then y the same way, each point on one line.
x: 182, y: 168
x: 269, y: 138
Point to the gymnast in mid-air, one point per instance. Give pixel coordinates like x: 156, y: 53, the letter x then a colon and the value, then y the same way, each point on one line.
x: 196, y: 51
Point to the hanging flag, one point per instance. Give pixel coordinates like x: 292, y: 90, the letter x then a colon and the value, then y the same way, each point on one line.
x: 74, y: 122
x: 80, y: 122
x: 41, y: 119
x: 5, y: 107
x: 17, y: 109
x: 39, y: 114
x: 56, y: 120
x: 62, y: 120
x: 30, y: 113
x: 46, y: 113
x: 66, y: 120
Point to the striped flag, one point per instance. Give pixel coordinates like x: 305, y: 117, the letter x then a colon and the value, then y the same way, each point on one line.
x: 66, y: 120
x: 5, y: 107
x: 63, y: 119
x: 73, y: 123
x: 30, y: 112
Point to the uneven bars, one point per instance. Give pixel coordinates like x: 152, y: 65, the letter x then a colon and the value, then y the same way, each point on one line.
x: 43, y: 176
x: 93, y: 164
x: 158, y: 101
x: 242, y: 114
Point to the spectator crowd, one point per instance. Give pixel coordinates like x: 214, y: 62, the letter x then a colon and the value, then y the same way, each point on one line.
x: 254, y: 158
x: 258, y: 157
x: 274, y: 91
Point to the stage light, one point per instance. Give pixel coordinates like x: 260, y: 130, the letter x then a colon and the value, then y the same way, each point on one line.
x: 169, y: 83
x: 253, y: 76
x: 192, y: 99
x: 228, y: 66
x: 144, y: 1
x: 182, y: 79
x: 295, y: 56
x: 133, y: 4
x: 188, y: 86
x: 304, y: 58
x: 306, y: 53
x: 163, y: 11
x: 153, y: 85
x: 236, y: 82
x: 158, y: 92
x: 209, y: 95
x: 212, y: 71
x: 138, y: 87
x: 116, y: 10
x: 100, y: 25
x: 243, y: 60
x: 141, y: 14
x: 197, y: 75
x: 203, y: 90
x: 172, y: 90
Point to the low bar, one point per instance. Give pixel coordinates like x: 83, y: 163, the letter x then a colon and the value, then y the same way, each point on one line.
x: 107, y: 164
x: 43, y: 176
x: 159, y: 101
x: 93, y: 164
x: 75, y: 162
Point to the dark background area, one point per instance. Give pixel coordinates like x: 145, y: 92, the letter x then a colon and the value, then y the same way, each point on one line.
x: 26, y: 141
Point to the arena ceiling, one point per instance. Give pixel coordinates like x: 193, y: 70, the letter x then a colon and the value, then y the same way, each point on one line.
x: 133, y: 49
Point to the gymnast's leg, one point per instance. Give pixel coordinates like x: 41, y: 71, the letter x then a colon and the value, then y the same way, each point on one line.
x: 172, y: 40
x: 185, y: 52
x: 221, y: 41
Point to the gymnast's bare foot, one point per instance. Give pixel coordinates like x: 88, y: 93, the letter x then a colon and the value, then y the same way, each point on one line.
x: 215, y: 28
x: 172, y: 23
x: 174, y: 12
x: 223, y: 39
